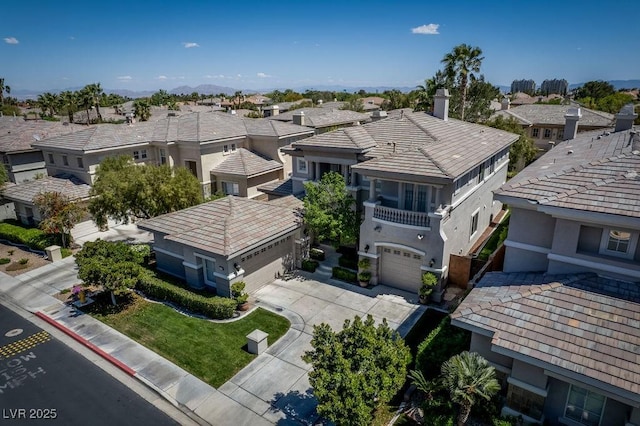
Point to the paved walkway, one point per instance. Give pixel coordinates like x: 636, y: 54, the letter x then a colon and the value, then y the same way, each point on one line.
x: 274, y: 388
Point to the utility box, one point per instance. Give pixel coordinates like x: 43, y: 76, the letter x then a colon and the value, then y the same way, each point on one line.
x: 257, y: 342
x: 54, y: 253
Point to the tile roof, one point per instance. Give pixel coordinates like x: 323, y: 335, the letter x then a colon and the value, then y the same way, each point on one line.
x: 541, y: 114
x: 594, y: 172
x: 101, y: 136
x: 349, y: 138
x: 227, y: 226
x: 243, y: 162
x: 418, y: 144
x: 17, y: 134
x: 68, y: 185
x: 323, y: 117
x: 280, y: 187
x: 580, y: 323
x: 263, y: 127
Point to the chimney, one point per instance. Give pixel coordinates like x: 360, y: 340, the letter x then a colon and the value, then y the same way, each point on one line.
x: 571, y: 123
x: 506, y: 103
x: 441, y: 104
x: 625, y: 118
x: 275, y: 110
x: 320, y: 101
x: 298, y: 118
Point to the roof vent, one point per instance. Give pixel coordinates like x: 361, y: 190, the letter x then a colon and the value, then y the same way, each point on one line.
x: 570, y: 151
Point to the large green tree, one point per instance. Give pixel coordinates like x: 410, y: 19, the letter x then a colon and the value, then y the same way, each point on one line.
x: 124, y: 191
x: 59, y: 214
x: 94, y: 93
x: 329, y: 210
x: 116, y: 266
x: 356, y: 370
x: 523, y: 151
x: 69, y: 102
x: 3, y: 89
x: 142, y: 109
x: 459, y: 66
x: 594, y: 89
x: 469, y: 378
x: 48, y: 103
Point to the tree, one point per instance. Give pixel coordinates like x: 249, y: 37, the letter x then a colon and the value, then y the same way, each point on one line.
x: 479, y: 97
x: 459, y: 66
x: 354, y: 104
x: 613, y: 103
x: 329, y: 211
x: 94, y: 93
x: 85, y: 100
x: 124, y: 191
x: 3, y: 89
x: 59, y: 214
x: 142, y: 109
x: 48, y: 103
x: 113, y: 265
x: 69, y: 101
x: 595, y: 89
x: 356, y: 370
x: 469, y: 377
x: 523, y: 151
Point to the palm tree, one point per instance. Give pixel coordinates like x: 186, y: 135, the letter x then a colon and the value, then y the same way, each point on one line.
x: 48, y: 102
x: 468, y: 376
x: 459, y: 65
x: 3, y: 88
x: 237, y: 97
x: 69, y: 101
x: 85, y: 100
x: 95, y: 92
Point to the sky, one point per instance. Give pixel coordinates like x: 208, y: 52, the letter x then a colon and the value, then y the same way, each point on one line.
x: 261, y: 45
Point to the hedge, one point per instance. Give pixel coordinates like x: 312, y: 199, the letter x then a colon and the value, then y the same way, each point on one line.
x: 213, y: 307
x: 309, y: 265
x: 348, y: 262
x: 442, y: 343
x: 32, y: 237
x: 345, y: 274
x: 316, y: 254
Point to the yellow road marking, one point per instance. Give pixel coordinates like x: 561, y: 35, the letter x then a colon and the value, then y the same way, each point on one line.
x: 25, y: 344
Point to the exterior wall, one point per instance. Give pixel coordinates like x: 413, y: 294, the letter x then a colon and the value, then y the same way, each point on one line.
x: 254, y: 182
x: 24, y: 166
x: 27, y: 213
x: 531, y: 228
x: 7, y: 210
x: 528, y: 373
x: 482, y: 345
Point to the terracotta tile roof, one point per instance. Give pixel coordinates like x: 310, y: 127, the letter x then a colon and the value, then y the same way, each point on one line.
x: 594, y: 172
x: 418, y: 144
x: 68, y: 185
x: 580, y: 323
x: 226, y: 226
x: 553, y: 115
x: 246, y: 163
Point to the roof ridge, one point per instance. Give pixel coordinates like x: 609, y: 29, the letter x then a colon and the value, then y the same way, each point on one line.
x: 227, y: 222
x: 422, y: 148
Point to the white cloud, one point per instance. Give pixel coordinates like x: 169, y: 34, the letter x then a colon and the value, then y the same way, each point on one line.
x: 11, y: 40
x: 72, y: 38
x: 125, y: 78
x: 263, y: 75
x: 426, y: 29
x: 189, y: 45
x: 162, y: 77
x: 214, y: 76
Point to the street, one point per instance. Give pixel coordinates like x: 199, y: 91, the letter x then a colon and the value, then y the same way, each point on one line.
x: 42, y: 381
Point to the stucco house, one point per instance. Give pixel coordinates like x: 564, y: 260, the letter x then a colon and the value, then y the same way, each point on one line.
x: 215, y: 244
x: 424, y: 185
x: 199, y: 141
x: 562, y: 322
x: 321, y: 119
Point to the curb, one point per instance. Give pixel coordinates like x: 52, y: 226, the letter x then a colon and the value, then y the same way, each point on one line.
x: 122, y: 366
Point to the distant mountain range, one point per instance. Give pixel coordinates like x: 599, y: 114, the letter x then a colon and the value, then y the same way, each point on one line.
x: 212, y: 89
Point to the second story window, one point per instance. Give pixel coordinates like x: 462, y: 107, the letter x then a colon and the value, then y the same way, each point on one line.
x: 80, y: 162
x: 547, y: 133
x: 136, y: 155
x: 535, y: 133
x: 233, y: 147
x: 618, y: 242
x: 65, y: 160
x: 143, y: 153
x: 140, y: 155
x: 225, y: 149
x: 302, y: 166
x: 51, y: 160
x: 474, y: 223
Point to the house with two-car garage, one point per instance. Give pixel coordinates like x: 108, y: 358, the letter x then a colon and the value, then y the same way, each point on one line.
x: 215, y: 244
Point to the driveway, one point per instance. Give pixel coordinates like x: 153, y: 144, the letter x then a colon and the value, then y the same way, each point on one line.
x: 276, y: 384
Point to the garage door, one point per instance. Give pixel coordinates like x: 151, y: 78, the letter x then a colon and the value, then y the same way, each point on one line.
x: 401, y: 269
x: 262, y: 264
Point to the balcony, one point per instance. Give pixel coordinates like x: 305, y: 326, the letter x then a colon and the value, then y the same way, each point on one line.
x: 403, y: 217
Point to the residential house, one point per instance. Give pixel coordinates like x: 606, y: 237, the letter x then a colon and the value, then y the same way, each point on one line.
x: 562, y: 322
x: 549, y: 124
x: 199, y: 141
x: 280, y: 107
x: 215, y: 244
x: 322, y: 119
x: 424, y: 184
x: 22, y: 195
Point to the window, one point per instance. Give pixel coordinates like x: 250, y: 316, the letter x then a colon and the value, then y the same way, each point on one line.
x: 302, y: 166
x: 209, y: 271
x: 535, y: 133
x: 560, y: 134
x: 80, y: 162
x: 547, y: 133
x: 163, y: 156
x: 617, y: 242
x: 225, y: 149
x: 233, y: 147
x: 230, y: 188
x: 143, y: 153
x: 192, y: 166
x: 51, y: 160
x: 136, y: 155
x: 481, y: 172
x: 65, y: 160
x: 584, y: 407
x: 525, y: 402
x: 474, y: 223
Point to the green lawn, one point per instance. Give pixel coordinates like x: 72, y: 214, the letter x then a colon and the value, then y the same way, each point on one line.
x: 213, y: 352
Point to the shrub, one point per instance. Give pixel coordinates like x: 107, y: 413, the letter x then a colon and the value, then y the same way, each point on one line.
x: 348, y: 262
x: 429, y: 281
x: 65, y: 252
x: 345, y: 274
x: 23, y: 261
x: 364, y: 276
x: 442, y: 343
x: 238, y: 293
x: 309, y: 265
x: 364, y: 263
x: 213, y: 307
x: 11, y: 252
x: 316, y: 254
x: 32, y: 237
x: 4, y: 261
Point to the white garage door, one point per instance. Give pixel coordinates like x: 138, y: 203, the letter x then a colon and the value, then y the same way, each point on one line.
x: 262, y: 264
x: 401, y: 269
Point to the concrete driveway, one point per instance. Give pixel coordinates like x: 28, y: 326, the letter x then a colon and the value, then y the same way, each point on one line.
x: 276, y: 384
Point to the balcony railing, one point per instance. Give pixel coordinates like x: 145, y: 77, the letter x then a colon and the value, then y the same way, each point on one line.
x: 404, y: 217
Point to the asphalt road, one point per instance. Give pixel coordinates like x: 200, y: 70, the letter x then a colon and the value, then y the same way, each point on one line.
x: 44, y: 382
